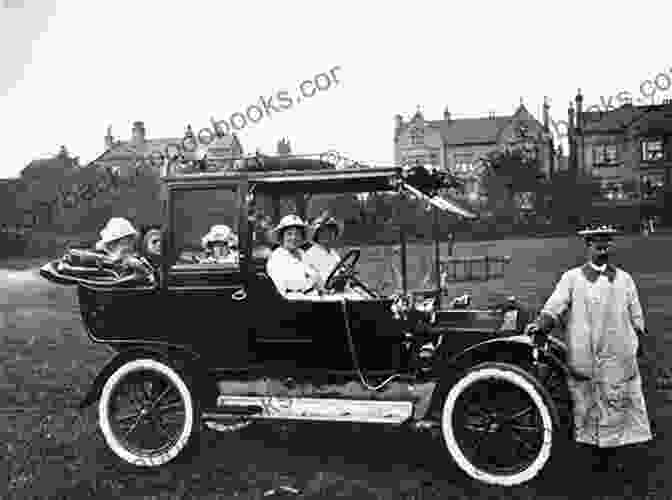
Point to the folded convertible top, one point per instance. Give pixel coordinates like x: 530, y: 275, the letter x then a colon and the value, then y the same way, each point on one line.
x: 83, y: 267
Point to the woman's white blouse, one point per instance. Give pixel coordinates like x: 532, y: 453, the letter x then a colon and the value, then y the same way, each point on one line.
x: 290, y: 274
x: 322, y: 259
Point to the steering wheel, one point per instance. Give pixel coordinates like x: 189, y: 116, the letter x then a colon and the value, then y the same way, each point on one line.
x: 344, y: 270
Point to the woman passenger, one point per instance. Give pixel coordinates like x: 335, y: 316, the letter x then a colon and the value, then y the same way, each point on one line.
x: 220, y: 245
x: 150, y: 244
x: 286, y: 266
x: 118, y: 240
x: 321, y: 255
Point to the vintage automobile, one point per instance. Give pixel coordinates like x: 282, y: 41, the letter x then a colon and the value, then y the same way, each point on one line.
x: 218, y: 345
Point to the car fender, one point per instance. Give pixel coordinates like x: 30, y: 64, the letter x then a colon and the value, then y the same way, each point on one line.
x: 182, y: 360
x: 509, y: 349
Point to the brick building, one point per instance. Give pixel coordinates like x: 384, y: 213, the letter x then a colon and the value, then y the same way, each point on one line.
x: 627, y: 150
x: 121, y: 156
x: 458, y: 144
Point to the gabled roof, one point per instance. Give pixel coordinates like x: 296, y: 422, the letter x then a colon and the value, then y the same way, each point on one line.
x: 464, y: 131
x: 643, y: 119
x: 47, y: 166
x: 654, y: 122
x: 482, y: 130
x: 127, y: 151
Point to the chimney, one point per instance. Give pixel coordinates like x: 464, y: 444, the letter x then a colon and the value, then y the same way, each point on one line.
x: 545, y: 114
x: 138, y: 133
x: 579, y: 111
x: 398, y: 122
x: 571, y: 138
x: 284, y: 148
x: 109, y: 139
x: 491, y: 115
x: 189, y: 132
x: 570, y: 116
x: 446, y: 114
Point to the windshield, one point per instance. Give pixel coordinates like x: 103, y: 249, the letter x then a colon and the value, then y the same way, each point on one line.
x: 370, y: 223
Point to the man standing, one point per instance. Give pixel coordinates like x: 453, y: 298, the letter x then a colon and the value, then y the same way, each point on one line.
x: 598, y: 305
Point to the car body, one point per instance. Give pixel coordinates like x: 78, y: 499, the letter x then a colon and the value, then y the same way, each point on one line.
x: 218, y: 344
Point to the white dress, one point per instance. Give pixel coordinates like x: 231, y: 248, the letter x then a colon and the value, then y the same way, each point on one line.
x: 290, y: 274
x: 322, y: 259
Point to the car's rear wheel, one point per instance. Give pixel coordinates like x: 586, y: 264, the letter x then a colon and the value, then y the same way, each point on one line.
x: 147, y: 413
x: 498, y: 424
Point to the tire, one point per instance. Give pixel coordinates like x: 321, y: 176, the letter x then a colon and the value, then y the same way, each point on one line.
x: 509, y: 389
x: 555, y: 382
x: 171, y: 386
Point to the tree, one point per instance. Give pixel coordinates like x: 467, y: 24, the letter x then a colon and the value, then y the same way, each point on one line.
x: 571, y: 197
x: 508, y: 174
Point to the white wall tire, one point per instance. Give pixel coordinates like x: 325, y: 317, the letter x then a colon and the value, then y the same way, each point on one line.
x: 532, y: 395
x: 175, y: 388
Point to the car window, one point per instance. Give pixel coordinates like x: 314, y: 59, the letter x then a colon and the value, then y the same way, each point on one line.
x: 195, y: 214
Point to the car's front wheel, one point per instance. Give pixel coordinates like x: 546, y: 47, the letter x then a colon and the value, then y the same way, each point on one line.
x: 147, y: 413
x: 498, y: 424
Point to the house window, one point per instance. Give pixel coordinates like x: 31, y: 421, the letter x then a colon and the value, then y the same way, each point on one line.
x: 611, y: 190
x: 652, y: 150
x: 464, y: 165
x: 416, y: 136
x: 651, y: 184
x: 605, y: 155
x: 525, y: 201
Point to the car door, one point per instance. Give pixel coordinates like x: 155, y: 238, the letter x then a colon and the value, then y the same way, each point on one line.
x: 293, y: 336
x: 207, y: 302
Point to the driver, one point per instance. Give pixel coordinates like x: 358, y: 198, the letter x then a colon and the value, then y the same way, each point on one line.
x: 287, y: 266
x: 321, y: 255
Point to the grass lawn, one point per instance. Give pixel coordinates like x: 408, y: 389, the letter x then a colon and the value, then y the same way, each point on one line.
x: 48, y: 449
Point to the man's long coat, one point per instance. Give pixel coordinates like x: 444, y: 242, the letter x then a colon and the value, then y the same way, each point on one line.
x: 601, y: 313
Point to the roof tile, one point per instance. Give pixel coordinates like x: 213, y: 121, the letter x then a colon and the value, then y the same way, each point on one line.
x: 464, y: 131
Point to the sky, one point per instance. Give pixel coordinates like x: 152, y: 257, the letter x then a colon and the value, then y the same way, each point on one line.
x: 71, y: 68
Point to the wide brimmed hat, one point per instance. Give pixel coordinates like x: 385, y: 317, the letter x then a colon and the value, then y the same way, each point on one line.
x: 325, y: 221
x: 288, y: 221
x: 115, y: 229
x: 220, y: 233
x: 605, y: 232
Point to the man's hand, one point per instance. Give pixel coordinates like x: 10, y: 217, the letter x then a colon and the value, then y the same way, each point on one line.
x: 539, y: 337
x: 531, y: 328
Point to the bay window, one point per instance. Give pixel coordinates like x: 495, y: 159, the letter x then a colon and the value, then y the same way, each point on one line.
x: 652, y: 150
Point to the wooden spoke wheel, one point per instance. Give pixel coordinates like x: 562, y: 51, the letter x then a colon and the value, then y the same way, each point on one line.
x: 147, y: 413
x: 498, y: 424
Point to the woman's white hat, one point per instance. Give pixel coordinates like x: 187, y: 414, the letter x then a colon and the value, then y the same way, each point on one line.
x: 288, y: 221
x: 220, y: 233
x: 115, y: 229
x: 325, y: 221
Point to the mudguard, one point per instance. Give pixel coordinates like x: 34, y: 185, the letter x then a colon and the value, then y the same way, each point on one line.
x: 512, y: 349
x: 182, y: 360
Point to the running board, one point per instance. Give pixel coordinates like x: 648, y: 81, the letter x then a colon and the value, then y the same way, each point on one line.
x: 314, y: 409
